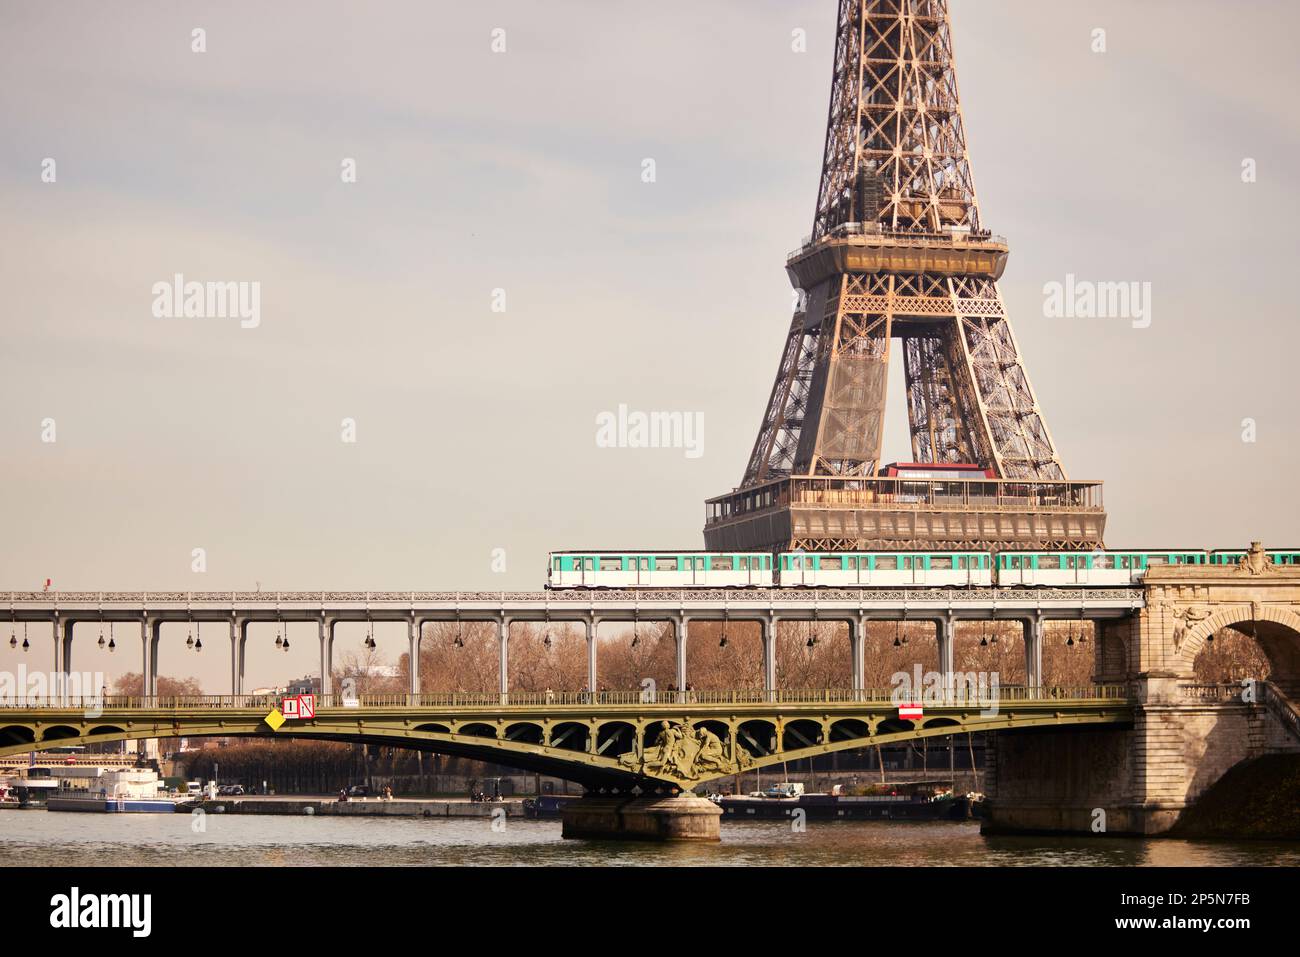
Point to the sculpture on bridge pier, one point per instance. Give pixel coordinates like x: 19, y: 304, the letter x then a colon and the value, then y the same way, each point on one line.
x: 684, y: 753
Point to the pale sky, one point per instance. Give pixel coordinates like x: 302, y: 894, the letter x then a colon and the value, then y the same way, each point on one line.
x: 521, y: 171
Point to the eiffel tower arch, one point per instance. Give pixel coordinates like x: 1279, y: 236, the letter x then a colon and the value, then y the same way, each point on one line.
x: 900, y: 257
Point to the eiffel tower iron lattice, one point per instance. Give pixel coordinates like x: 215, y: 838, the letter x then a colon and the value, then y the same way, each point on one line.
x: 899, y: 252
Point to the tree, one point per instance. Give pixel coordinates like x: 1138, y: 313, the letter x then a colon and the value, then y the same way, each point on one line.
x: 1229, y: 658
x: 132, y: 684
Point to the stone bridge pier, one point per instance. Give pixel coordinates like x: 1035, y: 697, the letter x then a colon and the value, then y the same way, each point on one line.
x: 1186, y: 734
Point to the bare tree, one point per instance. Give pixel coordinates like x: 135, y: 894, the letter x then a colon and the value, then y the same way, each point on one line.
x: 1230, y: 657
x: 132, y: 683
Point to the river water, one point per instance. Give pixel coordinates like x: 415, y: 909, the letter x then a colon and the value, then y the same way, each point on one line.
x: 43, y: 838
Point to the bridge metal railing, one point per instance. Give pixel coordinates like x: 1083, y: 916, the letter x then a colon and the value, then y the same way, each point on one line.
x: 959, y: 695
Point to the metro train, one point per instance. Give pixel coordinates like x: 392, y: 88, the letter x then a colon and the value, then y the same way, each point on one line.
x: 932, y: 569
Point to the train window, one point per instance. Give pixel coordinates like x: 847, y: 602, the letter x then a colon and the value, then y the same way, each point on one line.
x: 557, y: 563
x: 611, y: 563
x: 888, y: 563
x: 590, y: 564
x: 666, y: 563
x: 723, y: 563
x: 851, y: 563
x: 1157, y: 560
x: 832, y: 563
x: 941, y: 561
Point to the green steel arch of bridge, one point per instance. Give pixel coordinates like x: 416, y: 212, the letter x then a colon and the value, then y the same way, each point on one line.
x: 620, y: 741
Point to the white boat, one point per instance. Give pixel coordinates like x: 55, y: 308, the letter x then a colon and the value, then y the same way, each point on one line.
x: 27, y: 792
x: 117, y: 791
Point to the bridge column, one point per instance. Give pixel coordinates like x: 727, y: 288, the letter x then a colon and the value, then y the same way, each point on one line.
x: 67, y: 647
x: 679, y: 632
x: 769, y: 657
x: 146, y: 667
x: 234, y: 659
x: 857, y: 644
x: 946, y: 632
x: 65, y: 666
x: 242, y: 624
x: 155, y: 636
x: 58, y: 648
x: 413, y: 638
x: 1035, y: 629
x: 326, y: 628
x: 503, y: 642
x: 593, y: 627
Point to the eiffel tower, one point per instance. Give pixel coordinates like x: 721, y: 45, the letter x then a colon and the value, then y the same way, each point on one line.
x: 899, y: 251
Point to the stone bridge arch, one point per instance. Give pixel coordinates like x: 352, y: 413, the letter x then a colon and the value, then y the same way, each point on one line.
x: 1275, y: 628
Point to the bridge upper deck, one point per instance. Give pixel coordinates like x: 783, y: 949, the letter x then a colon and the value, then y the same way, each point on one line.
x: 578, y: 604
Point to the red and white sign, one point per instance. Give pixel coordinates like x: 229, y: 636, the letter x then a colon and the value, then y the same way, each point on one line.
x: 299, y: 707
x: 910, y: 712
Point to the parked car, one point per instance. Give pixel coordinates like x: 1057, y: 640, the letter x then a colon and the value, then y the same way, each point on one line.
x: 359, y: 791
x: 786, y: 789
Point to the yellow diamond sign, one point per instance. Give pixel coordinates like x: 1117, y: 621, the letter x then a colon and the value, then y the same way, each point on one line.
x: 274, y: 719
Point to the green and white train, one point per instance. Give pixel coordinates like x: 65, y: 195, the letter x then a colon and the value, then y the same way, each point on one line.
x: 953, y: 569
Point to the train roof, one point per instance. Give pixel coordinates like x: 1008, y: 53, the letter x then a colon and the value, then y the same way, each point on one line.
x: 652, y: 551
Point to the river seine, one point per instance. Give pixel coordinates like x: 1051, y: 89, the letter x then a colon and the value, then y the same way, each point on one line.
x: 43, y: 838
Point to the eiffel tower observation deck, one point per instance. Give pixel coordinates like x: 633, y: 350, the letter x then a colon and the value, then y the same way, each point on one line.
x: 899, y: 251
